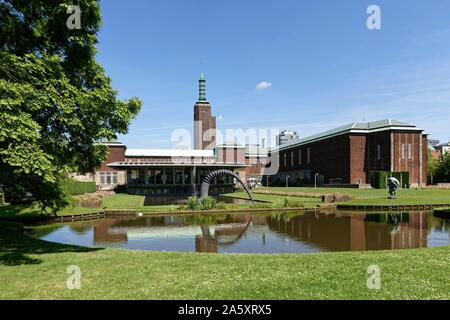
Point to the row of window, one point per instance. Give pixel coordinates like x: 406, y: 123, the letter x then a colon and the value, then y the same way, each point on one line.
x: 108, y: 177
x: 300, y: 157
x: 170, y: 176
x: 406, y: 150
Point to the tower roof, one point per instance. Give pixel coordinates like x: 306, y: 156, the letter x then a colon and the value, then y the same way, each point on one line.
x: 202, y: 88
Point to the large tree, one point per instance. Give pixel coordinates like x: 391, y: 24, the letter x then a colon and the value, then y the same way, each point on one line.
x: 56, y: 102
x: 442, y: 172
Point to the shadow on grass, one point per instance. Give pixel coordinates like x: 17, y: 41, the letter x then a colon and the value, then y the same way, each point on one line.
x: 15, y: 247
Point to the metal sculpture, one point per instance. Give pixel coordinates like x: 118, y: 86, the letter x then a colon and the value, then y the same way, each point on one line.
x: 204, y: 191
x: 393, y: 185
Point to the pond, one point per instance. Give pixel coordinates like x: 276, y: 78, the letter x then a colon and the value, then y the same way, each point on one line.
x: 287, y: 232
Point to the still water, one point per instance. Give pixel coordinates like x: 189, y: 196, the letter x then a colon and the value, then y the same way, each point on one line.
x: 257, y: 233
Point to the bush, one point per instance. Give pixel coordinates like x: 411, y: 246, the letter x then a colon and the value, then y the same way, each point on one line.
x: 76, y: 188
x: 221, y: 206
x: 208, y: 203
x: 442, y: 172
x: 194, y: 203
x: 288, y: 203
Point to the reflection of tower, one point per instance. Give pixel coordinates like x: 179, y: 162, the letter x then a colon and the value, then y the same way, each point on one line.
x: 204, y: 122
x: 205, y: 242
x: 102, y: 234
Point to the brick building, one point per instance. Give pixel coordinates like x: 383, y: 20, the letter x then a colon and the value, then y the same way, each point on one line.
x: 169, y: 172
x: 341, y: 156
x: 346, y: 155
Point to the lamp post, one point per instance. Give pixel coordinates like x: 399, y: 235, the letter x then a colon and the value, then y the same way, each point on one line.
x: 315, y: 180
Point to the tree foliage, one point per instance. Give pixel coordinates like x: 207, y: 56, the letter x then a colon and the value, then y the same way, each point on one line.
x: 56, y: 102
x: 442, y: 171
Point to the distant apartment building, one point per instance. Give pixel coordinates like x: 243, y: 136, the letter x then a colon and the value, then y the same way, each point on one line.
x: 435, y: 154
x: 286, y: 136
x: 444, y: 148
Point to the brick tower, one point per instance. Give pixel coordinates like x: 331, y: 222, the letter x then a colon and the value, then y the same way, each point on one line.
x: 204, y: 122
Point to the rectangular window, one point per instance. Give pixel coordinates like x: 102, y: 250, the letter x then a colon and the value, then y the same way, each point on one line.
x: 403, y: 151
x: 308, y: 156
x: 300, y: 156
x: 284, y: 160
x: 292, y: 158
x: 378, y: 152
x: 108, y: 177
x: 409, y: 151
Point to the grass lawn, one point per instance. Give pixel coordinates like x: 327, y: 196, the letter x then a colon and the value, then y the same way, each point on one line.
x: 113, y: 202
x: 362, y: 197
x: 35, y: 269
x: 308, y: 202
x: 379, y: 196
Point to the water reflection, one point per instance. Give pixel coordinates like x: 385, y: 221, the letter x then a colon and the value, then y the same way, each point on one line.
x: 264, y: 233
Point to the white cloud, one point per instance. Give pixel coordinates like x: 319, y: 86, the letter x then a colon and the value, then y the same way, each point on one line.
x: 263, y: 85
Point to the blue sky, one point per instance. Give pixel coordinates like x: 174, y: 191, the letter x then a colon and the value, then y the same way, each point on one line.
x: 325, y: 66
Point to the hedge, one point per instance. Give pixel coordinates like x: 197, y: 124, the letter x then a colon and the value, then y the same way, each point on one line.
x: 79, y: 187
x: 378, y: 179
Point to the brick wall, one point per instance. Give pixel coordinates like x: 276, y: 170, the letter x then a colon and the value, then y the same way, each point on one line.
x: 204, y: 126
x: 413, y: 161
x: 351, y: 157
x: 358, y: 145
x: 330, y: 158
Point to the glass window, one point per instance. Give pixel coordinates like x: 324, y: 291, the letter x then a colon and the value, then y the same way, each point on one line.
x: 158, y: 176
x: 114, y: 175
x: 378, y: 152
x: 179, y: 176
x: 300, y: 156
x: 187, y: 176
x: 403, y: 151
x: 409, y: 151
x: 151, y: 176
x: 309, y: 155
x: 169, y: 175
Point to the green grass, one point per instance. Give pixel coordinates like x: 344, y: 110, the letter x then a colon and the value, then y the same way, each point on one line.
x: 379, y: 196
x: 112, y: 202
x: 122, y: 200
x: 35, y: 269
x: 308, y: 202
x: 362, y: 197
